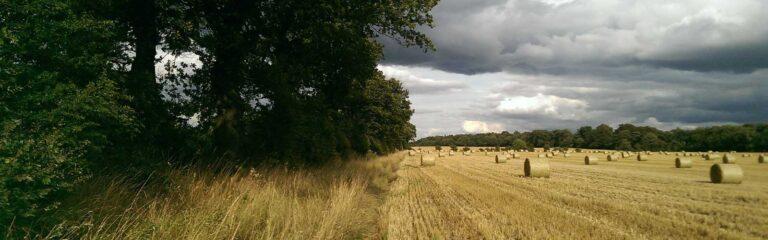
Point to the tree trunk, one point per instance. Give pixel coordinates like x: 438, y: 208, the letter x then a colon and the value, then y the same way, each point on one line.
x: 141, y: 83
x: 226, y: 80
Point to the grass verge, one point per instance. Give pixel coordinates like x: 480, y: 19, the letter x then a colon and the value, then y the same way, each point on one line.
x: 339, y: 201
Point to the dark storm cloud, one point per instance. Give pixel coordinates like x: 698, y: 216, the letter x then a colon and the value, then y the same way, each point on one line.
x: 556, y: 64
x: 665, y: 98
x: 529, y: 34
x: 742, y: 59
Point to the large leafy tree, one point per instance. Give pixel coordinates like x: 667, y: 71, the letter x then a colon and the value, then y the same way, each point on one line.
x: 283, y: 75
x: 60, y: 110
x: 142, y: 27
x: 540, y: 138
x: 602, y: 137
x: 562, y: 138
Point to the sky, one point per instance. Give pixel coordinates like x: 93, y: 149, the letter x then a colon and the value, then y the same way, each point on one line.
x: 520, y: 65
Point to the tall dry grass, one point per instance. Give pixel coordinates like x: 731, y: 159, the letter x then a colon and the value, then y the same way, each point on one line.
x: 334, y: 202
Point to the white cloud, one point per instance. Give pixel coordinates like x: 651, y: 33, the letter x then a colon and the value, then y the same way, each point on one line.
x: 194, y: 120
x: 191, y: 59
x: 434, y: 131
x: 556, y: 2
x: 540, y: 104
x: 420, y: 85
x: 481, y: 127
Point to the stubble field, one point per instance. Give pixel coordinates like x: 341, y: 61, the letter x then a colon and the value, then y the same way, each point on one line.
x: 472, y: 197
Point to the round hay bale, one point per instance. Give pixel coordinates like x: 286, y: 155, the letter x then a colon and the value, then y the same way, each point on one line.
x: 612, y: 158
x: 729, y: 159
x: 625, y: 154
x: 501, y: 158
x: 683, y: 163
x: 590, y: 160
x: 761, y: 159
x: 565, y: 155
x: 515, y: 155
x: 441, y: 154
x: 466, y: 154
x: 640, y: 157
x: 451, y: 153
x: 726, y: 173
x: 540, y: 155
x: 411, y: 153
x: 536, y: 168
x: 427, y: 160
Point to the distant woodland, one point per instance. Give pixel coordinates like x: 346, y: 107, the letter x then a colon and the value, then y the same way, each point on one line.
x: 747, y: 138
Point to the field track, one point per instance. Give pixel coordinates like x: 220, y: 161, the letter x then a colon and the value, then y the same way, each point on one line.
x: 471, y: 197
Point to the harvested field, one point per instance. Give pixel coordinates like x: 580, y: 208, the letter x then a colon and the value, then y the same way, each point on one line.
x: 472, y: 197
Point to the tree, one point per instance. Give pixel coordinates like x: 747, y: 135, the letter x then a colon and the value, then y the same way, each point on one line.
x: 387, y: 112
x: 602, y: 137
x: 519, y: 144
x: 144, y: 26
x: 562, y: 138
x: 586, y: 135
x: 625, y: 145
x: 540, y: 138
x: 60, y: 110
x: 289, y: 63
x: 650, y: 142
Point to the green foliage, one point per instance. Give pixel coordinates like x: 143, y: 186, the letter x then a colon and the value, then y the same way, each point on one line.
x: 59, y: 110
x: 601, y: 137
x: 519, y: 144
x: 285, y: 73
x: 387, y: 113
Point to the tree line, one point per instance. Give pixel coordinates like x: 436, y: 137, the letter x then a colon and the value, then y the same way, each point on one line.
x: 628, y: 137
x: 287, y: 82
